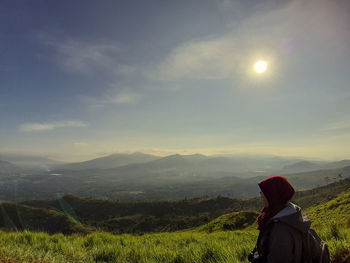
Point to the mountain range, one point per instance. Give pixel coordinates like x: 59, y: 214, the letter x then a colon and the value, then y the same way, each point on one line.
x: 28, y: 162
x: 244, y: 165
x: 107, y: 162
x: 138, y: 176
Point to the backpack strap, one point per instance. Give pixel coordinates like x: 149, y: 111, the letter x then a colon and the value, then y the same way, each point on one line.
x: 306, y: 248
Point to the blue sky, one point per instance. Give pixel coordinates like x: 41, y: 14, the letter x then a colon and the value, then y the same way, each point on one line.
x: 81, y: 79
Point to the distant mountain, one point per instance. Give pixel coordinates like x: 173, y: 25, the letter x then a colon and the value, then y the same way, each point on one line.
x: 176, y: 161
x: 307, y: 166
x: 7, y: 167
x: 29, y: 162
x: 168, y: 178
x: 303, y: 166
x: 262, y: 161
x: 201, y: 165
x: 108, y: 162
x: 339, y: 164
x: 239, y: 165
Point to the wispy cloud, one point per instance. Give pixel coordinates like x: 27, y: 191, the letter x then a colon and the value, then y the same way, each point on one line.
x: 124, y: 98
x: 210, y: 59
x: 49, y: 126
x: 273, y: 34
x: 83, y: 57
x: 80, y: 144
x: 113, y: 96
x: 337, y: 127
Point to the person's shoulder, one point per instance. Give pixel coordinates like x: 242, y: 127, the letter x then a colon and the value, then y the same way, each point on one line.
x: 277, y: 225
x: 281, y: 228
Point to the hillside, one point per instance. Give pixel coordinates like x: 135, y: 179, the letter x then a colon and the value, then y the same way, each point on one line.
x: 231, y: 221
x: 21, y: 217
x: 213, y: 241
x: 321, y: 194
x: 336, y: 210
x: 141, y: 217
x: 127, y: 217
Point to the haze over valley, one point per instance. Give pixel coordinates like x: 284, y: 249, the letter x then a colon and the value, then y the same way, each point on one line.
x: 138, y: 176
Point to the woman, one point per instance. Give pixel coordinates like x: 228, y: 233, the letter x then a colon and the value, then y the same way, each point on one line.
x: 281, y: 224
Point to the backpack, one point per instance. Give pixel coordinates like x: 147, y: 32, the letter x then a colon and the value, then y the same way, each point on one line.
x: 314, y: 250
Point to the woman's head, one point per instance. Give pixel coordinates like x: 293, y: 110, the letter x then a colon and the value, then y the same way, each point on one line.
x: 277, y: 190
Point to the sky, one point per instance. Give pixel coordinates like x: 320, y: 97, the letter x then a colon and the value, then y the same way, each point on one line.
x: 82, y: 79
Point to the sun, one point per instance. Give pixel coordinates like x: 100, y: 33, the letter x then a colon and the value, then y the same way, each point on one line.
x: 260, y: 66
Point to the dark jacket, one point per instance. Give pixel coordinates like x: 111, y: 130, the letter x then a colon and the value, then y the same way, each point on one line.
x: 281, y: 240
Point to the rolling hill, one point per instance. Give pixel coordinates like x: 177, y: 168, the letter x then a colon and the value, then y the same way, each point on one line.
x: 17, y: 217
x: 136, y: 217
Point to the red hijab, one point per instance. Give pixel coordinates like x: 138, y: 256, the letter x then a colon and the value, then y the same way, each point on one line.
x: 278, y: 191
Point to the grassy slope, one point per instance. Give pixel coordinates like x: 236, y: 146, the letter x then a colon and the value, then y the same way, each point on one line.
x: 321, y: 194
x: 336, y: 211
x: 188, y: 246
x: 332, y: 220
x: 21, y: 217
x: 232, y: 221
x: 101, y: 247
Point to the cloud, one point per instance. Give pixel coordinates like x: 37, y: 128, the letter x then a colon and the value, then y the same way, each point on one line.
x: 337, y: 127
x: 208, y: 59
x: 83, y: 57
x: 123, y: 98
x: 113, y: 96
x: 217, y: 58
x: 49, y: 126
x: 298, y: 28
x: 80, y: 144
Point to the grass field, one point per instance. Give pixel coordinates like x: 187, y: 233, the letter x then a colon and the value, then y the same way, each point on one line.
x: 229, y: 246
x: 103, y: 247
x: 197, y: 245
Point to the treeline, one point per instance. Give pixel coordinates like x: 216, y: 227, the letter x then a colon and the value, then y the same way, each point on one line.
x: 321, y: 194
x: 141, y: 217
x: 70, y: 214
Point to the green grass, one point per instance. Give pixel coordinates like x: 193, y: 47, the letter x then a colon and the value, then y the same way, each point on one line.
x: 232, y: 221
x: 228, y: 246
x: 103, y: 247
x: 208, y: 243
x: 336, y: 210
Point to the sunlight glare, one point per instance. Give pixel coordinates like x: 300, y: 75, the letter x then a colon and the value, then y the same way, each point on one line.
x: 260, y: 66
